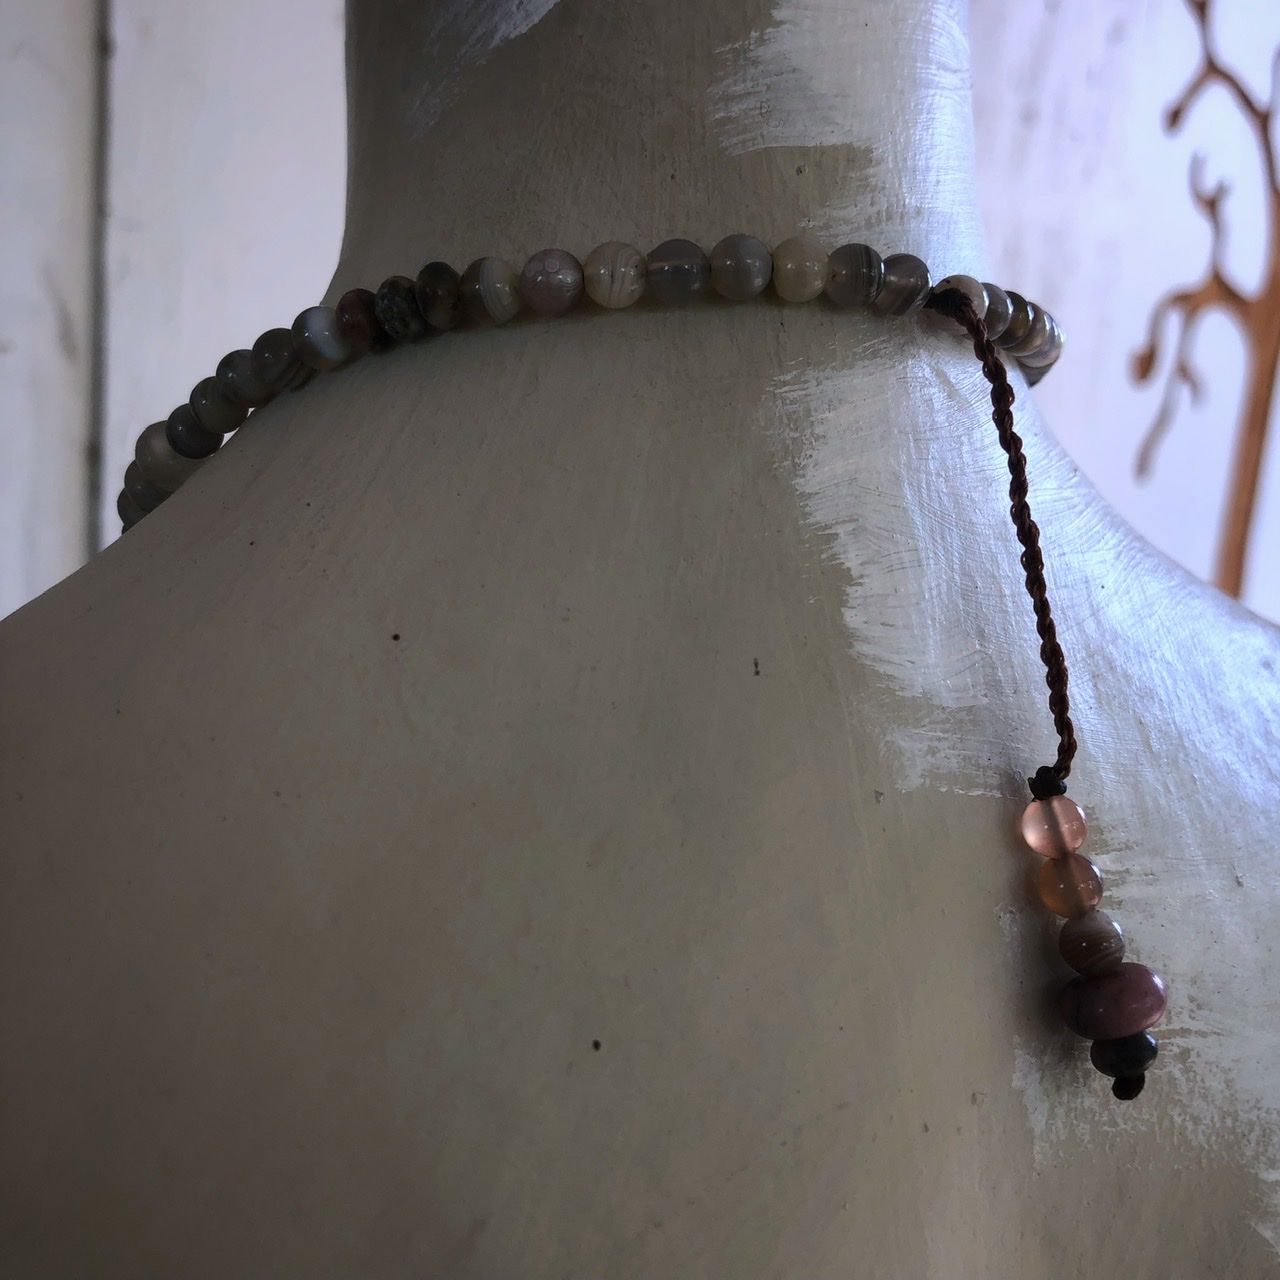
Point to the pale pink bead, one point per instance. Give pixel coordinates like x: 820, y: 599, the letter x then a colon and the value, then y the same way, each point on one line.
x: 1054, y: 827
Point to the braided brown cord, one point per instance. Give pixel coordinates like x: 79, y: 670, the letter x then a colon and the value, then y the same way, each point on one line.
x: 1051, y: 779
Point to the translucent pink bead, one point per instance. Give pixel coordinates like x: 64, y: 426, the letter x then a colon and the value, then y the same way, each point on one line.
x: 1121, y: 1003
x: 1070, y: 886
x: 1054, y: 827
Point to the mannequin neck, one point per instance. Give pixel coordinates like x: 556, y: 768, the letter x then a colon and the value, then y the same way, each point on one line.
x: 502, y: 126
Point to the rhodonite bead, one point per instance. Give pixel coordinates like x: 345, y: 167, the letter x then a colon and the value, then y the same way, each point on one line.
x: 396, y: 307
x: 999, y: 310
x: 801, y: 267
x: 144, y: 494
x: 1070, y: 885
x: 358, y: 318
x: 214, y: 411
x: 1092, y: 943
x: 741, y: 266
x: 676, y: 272
x: 613, y: 274
x: 551, y: 282
x: 160, y: 464
x: 1121, y: 1003
x: 238, y: 381
x: 857, y: 272
x: 972, y: 289
x: 490, y: 291
x: 321, y: 342
x: 187, y: 437
x: 1019, y: 321
x: 276, y: 362
x: 1126, y: 1055
x: 437, y: 292
x: 1054, y: 827
x: 905, y: 287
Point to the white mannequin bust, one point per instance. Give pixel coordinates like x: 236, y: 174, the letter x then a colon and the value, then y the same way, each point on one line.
x: 541, y: 803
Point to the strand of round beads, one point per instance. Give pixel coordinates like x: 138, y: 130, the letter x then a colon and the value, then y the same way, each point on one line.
x: 492, y: 291
x: 1112, y: 1002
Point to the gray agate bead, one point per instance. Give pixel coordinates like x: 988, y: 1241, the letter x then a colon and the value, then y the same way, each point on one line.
x: 801, y: 267
x: 238, y: 381
x: 128, y: 511
x: 160, y: 464
x: 677, y: 272
x: 144, y: 494
x: 999, y: 310
x: 1049, y: 350
x: 857, y: 274
x: 614, y: 274
x: 905, y: 288
x: 214, y: 411
x: 436, y: 290
x: 1036, y: 335
x: 551, y: 282
x: 276, y: 362
x: 490, y: 291
x: 741, y: 267
x: 396, y: 306
x: 187, y: 437
x: 1019, y: 321
x: 322, y: 344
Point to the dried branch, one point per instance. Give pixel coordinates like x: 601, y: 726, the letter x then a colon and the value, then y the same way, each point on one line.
x: 1213, y: 72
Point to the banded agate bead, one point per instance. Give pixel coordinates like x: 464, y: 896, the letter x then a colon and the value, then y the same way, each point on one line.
x: 677, y: 272
x: 490, y: 291
x: 1092, y: 943
x: 438, y: 291
x: 159, y: 463
x: 1071, y: 885
x: 905, y: 288
x: 1109, y: 1006
x: 741, y: 267
x: 214, y: 411
x: 239, y: 382
x: 358, y: 317
x: 187, y: 437
x: 857, y: 272
x: 801, y: 269
x: 998, y: 311
x: 551, y: 282
x: 322, y: 343
x: 1054, y: 827
x: 972, y: 289
x: 613, y: 274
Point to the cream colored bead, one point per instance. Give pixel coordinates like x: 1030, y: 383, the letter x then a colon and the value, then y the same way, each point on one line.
x: 614, y: 274
x: 801, y: 268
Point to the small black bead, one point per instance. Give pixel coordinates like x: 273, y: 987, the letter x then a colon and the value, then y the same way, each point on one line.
x: 187, y: 437
x: 1127, y: 1056
x: 1126, y: 1088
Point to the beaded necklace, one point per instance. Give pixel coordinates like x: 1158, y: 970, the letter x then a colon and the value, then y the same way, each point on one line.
x: 1111, y: 1001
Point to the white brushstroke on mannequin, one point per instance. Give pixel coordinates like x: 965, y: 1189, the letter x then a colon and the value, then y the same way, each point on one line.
x: 478, y: 27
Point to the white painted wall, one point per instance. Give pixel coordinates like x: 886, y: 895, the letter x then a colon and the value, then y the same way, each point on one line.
x: 226, y: 190
x: 47, y: 137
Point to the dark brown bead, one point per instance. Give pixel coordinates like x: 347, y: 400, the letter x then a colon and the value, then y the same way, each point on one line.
x: 1125, y: 1056
x: 437, y: 290
x: 359, y: 320
x: 397, y: 310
